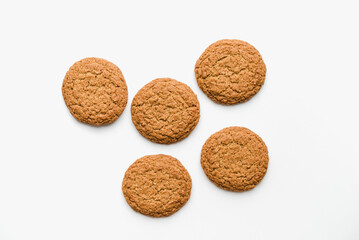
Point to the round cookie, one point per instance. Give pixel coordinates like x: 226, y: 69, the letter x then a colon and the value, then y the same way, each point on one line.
x: 230, y: 71
x: 165, y: 111
x: 156, y: 185
x: 235, y: 159
x: 95, y: 91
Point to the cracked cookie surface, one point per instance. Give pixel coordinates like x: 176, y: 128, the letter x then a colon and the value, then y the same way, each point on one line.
x: 235, y: 159
x: 165, y: 111
x: 230, y: 71
x: 157, y: 185
x: 95, y: 91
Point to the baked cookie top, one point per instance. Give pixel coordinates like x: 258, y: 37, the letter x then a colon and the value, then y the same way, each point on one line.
x: 157, y: 185
x: 230, y: 71
x: 95, y: 91
x: 235, y: 159
x: 165, y: 111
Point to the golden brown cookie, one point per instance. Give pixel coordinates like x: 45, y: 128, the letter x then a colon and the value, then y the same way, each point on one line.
x: 165, y: 111
x: 95, y: 91
x: 235, y: 159
x: 157, y: 185
x: 230, y: 71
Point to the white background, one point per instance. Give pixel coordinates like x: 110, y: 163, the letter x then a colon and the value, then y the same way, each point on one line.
x: 60, y: 179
